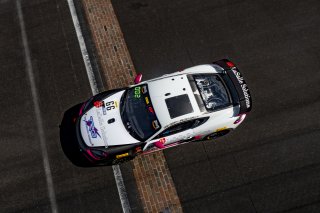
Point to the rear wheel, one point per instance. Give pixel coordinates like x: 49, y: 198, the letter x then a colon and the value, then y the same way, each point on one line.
x: 217, y: 134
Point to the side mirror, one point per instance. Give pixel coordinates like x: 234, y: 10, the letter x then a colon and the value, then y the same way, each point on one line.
x: 138, y: 78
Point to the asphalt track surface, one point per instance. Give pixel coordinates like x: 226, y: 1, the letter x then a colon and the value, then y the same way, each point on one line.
x: 271, y: 163
x: 61, y: 81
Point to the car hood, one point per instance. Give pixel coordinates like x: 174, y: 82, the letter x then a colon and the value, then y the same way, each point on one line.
x: 102, y: 125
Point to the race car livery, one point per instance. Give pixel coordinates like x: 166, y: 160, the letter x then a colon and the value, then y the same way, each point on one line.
x: 197, y: 104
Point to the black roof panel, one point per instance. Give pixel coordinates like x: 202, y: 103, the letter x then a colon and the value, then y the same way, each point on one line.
x: 179, y: 105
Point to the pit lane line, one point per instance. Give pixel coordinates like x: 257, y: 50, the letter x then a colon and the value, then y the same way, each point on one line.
x: 94, y: 88
x: 35, y: 100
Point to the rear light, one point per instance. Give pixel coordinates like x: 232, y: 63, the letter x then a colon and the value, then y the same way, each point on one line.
x: 230, y: 64
x: 240, y: 119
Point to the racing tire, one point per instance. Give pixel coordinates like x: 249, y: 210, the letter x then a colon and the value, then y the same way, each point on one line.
x: 216, y: 135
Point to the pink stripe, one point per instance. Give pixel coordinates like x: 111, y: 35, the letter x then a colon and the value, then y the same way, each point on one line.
x: 81, y: 109
x: 91, y: 155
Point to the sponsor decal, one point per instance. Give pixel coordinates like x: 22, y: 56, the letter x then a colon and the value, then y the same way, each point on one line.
x: 102, y: 127
x: 137, y: 92
x: 147, y: 100
x: 155, y: 124
x: 104, y: 111
x: 243, y: 86
x: 160, y: 147
x: 151, y: 109
x: 91, y: 128
x: 99, y: 104
x: 122, y: 155
x: 238, y: 75
x: 144, y: 89
x: 246, y: 94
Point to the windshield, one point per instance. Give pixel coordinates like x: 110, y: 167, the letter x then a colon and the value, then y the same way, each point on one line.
x: 137, y: 113
x: 212, y: 91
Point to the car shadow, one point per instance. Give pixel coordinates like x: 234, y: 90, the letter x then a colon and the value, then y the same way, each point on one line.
x: 68, y: 137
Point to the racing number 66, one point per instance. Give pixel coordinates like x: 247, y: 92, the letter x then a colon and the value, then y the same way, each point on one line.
x: 110, y: 105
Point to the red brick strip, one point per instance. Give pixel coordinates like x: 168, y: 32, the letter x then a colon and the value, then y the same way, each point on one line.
x: 153, y: 178
x: 113, y: 55
x: 155, y: 183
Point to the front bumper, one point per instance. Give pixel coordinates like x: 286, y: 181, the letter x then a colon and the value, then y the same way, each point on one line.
x: 69, y: 140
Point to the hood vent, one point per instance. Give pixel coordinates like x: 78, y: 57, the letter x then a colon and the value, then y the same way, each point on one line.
x: 110, y: 121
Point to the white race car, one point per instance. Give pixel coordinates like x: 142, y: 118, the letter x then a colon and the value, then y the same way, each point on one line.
x: 199, y: 103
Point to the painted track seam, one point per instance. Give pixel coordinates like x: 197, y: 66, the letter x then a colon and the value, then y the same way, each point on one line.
x: 34, y: 93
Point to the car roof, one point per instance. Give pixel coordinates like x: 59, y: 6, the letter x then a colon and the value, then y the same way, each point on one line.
x: 172, y: 99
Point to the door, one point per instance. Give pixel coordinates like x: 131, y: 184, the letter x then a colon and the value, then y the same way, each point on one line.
x: 177, y: 133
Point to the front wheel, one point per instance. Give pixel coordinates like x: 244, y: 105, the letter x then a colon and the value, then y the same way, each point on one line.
x: 217, y: 134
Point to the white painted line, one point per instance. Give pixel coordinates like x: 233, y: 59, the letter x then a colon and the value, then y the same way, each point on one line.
x: 44, y: 150
x: 84, y: 51
x: 94, y: 88
x: 121, y: 189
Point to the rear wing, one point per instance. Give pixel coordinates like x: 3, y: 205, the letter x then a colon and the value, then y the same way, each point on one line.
x: 236, y: 82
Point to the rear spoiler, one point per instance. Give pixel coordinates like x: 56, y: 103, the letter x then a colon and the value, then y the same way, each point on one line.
x: 238, y: 84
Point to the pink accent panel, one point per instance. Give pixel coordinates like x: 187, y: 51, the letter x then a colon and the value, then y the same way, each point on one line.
x: 197, y: 137
x: 159, y: 145
x: 240, y: 119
